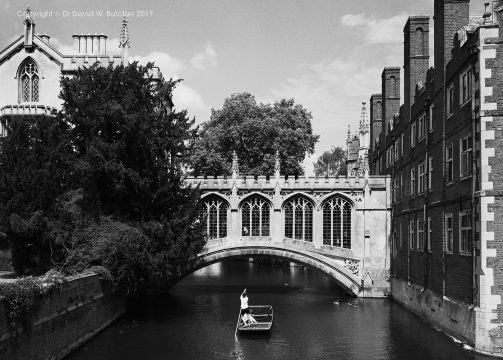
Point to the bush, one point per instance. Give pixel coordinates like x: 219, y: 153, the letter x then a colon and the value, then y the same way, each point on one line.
x: 21, y: 296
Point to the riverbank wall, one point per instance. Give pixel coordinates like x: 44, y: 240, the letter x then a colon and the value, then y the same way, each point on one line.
x: 462, y: 321
x: 65, y: 318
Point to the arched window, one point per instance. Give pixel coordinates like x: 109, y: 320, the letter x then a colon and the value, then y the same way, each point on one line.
x: 337, y: 222
x: 378, y: 113
x: 29, y: 81
x: 299, y: 219
x: 214, y: 213
x: 393, y: 86
x: 420, y: 41
x: 255, y: 216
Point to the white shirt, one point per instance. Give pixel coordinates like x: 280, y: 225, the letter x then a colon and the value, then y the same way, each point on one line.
x: 244, y: 302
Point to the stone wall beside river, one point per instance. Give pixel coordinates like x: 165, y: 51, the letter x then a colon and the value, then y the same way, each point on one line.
x: 65, y: 319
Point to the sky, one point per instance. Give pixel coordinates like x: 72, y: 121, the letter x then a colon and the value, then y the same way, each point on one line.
x: 328, y: 55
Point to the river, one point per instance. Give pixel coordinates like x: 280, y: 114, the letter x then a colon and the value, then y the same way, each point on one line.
x: 197, y: 320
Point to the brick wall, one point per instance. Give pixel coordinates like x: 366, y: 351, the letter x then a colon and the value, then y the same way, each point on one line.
x: 64, y: 320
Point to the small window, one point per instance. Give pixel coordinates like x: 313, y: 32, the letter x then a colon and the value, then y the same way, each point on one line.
x: 401, y: 143
x: 429, y: 234
x: 396, y: 189
x: 411, y: 234
x: 466, y: 156
x: 465, y: 232
x: 430, y: 172
x: 396, y: 150
x: 413, y: 134
x: 448, y: 234
x: 421, y: 185
x: 465, y: 86
x: 420, y: 235
x: 421, y: 131
x: 450, y: 100
x: 430, y: 120
x: 413, y: 181
x: 449, y: 170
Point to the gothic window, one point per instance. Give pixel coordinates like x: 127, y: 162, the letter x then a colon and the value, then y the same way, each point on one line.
x: 393, y: 86
x: 214, y: 216
x: 29, y: 82
x: 420, y: 41
x: 299, y: 219
x: 337, y: 222
x: 255, y: 216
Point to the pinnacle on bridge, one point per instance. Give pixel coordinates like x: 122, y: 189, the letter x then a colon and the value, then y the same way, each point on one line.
x: 235, y: 165
x: 277, y: 166
x: 364, y: 120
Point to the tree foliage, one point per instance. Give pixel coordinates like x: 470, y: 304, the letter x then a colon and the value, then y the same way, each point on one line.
x: 331, y: 163
x: 255, y: 132
x: 102, y: 183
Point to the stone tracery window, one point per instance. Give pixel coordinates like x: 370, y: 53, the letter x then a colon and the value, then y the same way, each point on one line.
x: 299, y: 219
x: 255, y: 217
x: 214, y: 216
x: 29, y: 82
x: 337, y: 222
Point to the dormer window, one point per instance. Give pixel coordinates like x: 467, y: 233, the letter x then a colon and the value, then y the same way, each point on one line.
x: 29, y: 82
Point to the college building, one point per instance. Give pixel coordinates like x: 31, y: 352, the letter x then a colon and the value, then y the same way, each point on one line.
x: 443, y: 148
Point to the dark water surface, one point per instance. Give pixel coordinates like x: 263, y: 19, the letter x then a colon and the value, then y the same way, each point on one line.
x: 197, y: 320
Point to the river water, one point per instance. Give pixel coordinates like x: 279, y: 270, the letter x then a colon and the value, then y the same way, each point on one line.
x: 197, y: 320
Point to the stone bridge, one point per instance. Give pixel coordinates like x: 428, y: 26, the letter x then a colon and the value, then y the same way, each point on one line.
x: 339, y: 225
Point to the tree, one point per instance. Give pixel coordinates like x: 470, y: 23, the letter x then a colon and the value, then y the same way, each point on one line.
x: 35, y: 169
x: 131, y: 150
x: 255, y: 132
x: 102, y: 183
x: 331, y: 163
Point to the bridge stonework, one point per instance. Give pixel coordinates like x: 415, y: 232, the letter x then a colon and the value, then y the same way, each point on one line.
x: 339, y: 225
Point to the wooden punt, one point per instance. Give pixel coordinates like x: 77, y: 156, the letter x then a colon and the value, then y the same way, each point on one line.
x: 264, y: 316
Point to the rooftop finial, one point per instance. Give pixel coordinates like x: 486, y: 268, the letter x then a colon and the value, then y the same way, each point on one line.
x: 276, y: 163
x: 349, y: 134
x: 364, y: 123
x: 487, y: 13
x: 235, y: 164
x: 124, y: 40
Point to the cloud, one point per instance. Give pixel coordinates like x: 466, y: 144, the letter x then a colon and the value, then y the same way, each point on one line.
x: 185, y: 97
x: 64, y: 49
x: 333, y: 90
x: 205, y: 59
x: 377, y: 30
x: 169, y: 65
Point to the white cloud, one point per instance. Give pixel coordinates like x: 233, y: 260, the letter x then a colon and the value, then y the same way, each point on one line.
x: 332, y: 90
x: 169, y: 65
x: 64, y: 49
x: 185, y: 97
x: 205, y: 59
x: 377, y: 30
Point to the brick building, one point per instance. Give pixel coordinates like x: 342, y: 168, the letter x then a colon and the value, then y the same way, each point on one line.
x: 444, y: 150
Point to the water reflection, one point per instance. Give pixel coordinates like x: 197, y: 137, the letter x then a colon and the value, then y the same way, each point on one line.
x: 197, y: 320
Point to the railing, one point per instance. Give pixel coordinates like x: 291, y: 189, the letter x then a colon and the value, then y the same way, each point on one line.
x: 28, y: 109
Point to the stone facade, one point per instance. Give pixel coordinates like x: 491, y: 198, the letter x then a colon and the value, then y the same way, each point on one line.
x: 48, y: 65
x: 300, y: 218
x: 442, y: 153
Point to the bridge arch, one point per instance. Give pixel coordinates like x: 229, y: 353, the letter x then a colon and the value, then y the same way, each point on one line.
x: 342, y: 276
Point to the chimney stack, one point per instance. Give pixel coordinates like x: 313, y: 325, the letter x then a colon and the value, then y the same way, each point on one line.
x: 390, y: 96
x: 375, y: 118
x: 416, y: 57
x: 90, y: 44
